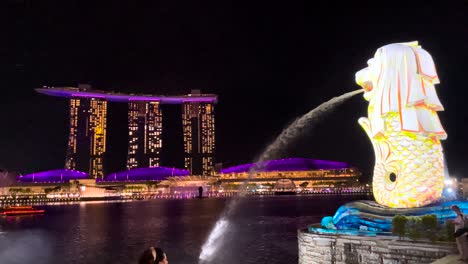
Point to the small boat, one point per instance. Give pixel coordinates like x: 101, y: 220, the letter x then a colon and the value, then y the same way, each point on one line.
x: 20, y: 210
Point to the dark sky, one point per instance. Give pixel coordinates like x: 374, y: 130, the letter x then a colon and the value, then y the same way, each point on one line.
x: 268, y: 62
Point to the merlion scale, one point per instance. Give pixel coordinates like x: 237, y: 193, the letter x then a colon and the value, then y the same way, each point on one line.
x: 403, y: 125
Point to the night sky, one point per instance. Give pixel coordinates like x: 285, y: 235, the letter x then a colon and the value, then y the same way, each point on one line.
x: 268, y: 62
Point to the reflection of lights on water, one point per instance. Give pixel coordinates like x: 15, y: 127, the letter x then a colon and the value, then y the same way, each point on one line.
x: 450, y: 190
x: 214, y: 240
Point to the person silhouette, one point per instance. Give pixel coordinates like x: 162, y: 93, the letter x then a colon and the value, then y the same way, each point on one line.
x: 461, y: 232
x: 200, y: 192
x: 153, y: 255
x: 148, y: 256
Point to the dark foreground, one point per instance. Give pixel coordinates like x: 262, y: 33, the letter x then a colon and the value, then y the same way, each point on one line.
x: 263, y: 230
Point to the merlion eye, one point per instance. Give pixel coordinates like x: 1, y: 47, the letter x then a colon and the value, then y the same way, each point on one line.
x: 392, y: 177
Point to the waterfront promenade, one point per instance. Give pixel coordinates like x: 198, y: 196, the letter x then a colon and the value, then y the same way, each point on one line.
x: 37, y: 199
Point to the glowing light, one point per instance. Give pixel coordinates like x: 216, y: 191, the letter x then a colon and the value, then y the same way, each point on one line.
x: 83, y: 188
x: 199, y: 115
x: 145, y: 174
x: 289, y: 164
x: 403, y: 125
x: 354, y: 215
x: 144, y: 129
x: 214, y: 240
x: 448, y: 182
x: 93, y: 132
x: 120, y: 97
x: 62, y: 175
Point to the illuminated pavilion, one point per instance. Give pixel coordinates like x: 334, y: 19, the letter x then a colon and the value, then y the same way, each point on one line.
x: 298, y: 170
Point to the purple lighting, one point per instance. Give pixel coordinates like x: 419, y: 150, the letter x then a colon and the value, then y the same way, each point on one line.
x: 145, y: 174
x: 61, y: 175
x: 120, y: 97
x: 291, y: 164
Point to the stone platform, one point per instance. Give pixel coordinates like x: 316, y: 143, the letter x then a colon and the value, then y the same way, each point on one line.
x: 450, y: 259
x: 318, y: 248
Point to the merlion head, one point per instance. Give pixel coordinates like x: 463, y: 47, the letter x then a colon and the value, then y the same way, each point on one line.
x: 395, y: 66
x: 401, y: 78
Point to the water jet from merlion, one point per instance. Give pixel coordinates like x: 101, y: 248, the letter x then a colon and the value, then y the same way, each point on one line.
x: 299, y: 126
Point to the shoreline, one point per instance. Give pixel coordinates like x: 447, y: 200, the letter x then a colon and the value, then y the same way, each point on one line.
x: 38, y: 200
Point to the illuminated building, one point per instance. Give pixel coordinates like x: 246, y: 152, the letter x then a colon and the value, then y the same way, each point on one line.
x: 145, y: 174
x: 198, y: 123
x: 97, y: 128
x: 87, y: 140
x: 299, y: 170
x: 144, y: 134
x: 87, y: 136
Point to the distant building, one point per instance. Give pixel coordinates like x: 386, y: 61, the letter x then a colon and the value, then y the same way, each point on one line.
x: 87, y: 136
x: 302, y: 172
x: 198, y: 122
x: 144, y: 134
x: 88, y: 118
x: 53, y: 176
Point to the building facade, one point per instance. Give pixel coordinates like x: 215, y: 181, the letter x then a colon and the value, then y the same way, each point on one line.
x: 144, y: 134
x: 300, y: 171
x: 198, y: 123
x: 88, y: 118
x: 87, y: 136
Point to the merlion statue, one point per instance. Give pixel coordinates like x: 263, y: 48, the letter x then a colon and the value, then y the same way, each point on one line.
x: 403, y: 125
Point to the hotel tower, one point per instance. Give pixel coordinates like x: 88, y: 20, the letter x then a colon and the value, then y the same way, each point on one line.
x: 87, y: 135
x: 198, y: 123
x: 144, y: 134
x: 88, y: 122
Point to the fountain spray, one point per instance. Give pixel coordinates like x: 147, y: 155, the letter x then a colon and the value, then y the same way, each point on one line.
x: 291, y: 132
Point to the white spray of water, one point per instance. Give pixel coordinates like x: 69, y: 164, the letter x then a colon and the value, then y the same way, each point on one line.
x: 211, y: 244
x: 450, y: 187
x: 291, y: 132
x: 446, y: 171
x: 300, y: 125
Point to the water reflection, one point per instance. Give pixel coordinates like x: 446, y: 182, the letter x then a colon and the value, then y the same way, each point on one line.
x: 26, y: 246
x: 264, y: 229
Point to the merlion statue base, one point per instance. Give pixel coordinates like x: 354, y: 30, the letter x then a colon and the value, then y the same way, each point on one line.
x: 373, y: 217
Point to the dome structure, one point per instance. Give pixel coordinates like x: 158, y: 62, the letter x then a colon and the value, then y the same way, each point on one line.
x: 60, y: 175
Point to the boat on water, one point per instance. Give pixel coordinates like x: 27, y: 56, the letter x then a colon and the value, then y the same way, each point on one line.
x: 20, y: 210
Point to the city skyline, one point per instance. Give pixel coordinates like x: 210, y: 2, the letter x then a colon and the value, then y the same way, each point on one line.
x: 269, y: 64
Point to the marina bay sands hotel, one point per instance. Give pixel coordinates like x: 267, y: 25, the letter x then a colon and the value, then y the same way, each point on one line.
x: 88, y: 121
